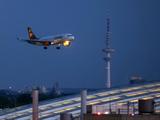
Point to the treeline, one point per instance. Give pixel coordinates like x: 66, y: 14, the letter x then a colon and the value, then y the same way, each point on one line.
x: 10, y: 99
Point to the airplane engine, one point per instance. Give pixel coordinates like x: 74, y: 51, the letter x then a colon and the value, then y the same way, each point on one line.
x: 66, y: 43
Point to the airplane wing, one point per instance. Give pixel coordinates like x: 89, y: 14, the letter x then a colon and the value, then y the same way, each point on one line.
x: 64, y: 42
x: 35, y: 42
x: 57, y: 42
x: 43, y: 43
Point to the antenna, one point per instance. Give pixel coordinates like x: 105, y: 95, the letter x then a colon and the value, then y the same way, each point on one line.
x: 108, y: 51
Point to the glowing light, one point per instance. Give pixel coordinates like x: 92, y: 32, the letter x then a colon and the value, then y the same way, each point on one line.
x: 66, y: 43
x: 98, y: 113
x: 133, y: 101
x: 146, y: 98
x: 91, y: 96
x: 92, y: 103
x: 132, y: 114
x: 106, y: 112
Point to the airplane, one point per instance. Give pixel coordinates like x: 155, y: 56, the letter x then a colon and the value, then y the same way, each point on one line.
x: 57, y: 40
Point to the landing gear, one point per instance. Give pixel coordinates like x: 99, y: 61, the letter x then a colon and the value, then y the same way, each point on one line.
x: 57, y: 48
x: 45, y: 47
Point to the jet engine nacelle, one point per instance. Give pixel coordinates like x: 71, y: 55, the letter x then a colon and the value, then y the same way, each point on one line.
x: 67, y: 43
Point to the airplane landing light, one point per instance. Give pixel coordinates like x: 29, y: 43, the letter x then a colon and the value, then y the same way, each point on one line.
x: 66, y: 43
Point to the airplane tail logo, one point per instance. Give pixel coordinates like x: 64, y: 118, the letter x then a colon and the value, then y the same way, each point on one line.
x: 31, y: 35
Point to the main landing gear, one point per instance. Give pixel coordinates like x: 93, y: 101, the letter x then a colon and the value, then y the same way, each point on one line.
x: 57, y: 48
x: 45, y: 47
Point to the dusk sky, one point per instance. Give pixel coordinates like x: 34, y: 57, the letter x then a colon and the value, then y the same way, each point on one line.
x: 135, y: 27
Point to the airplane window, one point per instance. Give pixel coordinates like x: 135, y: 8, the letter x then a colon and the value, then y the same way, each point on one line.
x: 58, y: 37
x: 69, y: 34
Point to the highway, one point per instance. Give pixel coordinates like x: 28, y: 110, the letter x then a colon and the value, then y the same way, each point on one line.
x: 51, y: 109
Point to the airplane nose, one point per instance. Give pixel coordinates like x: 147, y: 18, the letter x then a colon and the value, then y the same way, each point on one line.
x: 72, y: 37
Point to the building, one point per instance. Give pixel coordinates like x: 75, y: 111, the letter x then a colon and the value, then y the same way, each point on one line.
x: 51, y: 109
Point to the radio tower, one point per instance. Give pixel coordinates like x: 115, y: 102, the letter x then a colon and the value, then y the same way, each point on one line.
x: 108, y: 51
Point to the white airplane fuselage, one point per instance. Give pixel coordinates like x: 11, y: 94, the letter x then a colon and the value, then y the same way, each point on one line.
x: 58, y: 40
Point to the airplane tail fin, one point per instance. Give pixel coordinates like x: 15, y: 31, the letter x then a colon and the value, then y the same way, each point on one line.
x: 31, y: 35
